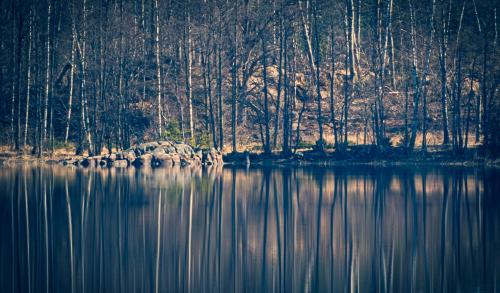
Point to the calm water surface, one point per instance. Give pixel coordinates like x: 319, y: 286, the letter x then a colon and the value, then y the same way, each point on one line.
x: 356, y: 229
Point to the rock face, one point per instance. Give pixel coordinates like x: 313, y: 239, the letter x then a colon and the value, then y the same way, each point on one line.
x: 160, y: 154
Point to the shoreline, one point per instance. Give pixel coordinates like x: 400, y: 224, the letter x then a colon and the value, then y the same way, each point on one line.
x: 301, y: 160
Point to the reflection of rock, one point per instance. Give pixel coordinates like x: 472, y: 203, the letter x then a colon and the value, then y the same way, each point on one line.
x: 155, y: 154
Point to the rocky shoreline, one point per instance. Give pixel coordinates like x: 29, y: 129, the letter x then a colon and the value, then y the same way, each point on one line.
x: 152, y: 154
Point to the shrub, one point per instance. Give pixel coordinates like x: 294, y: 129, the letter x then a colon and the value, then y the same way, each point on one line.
x: 173, y: 132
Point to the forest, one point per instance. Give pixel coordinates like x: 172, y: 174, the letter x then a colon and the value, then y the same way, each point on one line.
x: 259, y: 75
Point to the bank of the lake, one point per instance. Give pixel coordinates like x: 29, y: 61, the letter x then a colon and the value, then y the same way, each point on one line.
x: 365, y: 155
x: 167, y: 154
x: 150, y: 154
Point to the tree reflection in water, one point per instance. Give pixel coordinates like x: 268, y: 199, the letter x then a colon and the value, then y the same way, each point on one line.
x: 246, y: 230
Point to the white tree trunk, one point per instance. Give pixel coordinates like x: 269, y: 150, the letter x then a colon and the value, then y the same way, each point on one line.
x: 47, y: 78
x: 28, y: 92
x: 158, y: 67
x: 71, y: 81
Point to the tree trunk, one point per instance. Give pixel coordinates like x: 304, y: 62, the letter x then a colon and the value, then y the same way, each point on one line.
x: 279, y: 85
x: 219, y: 84
x: 187, y: 63
x: 406, y: 134
x: 210, y: 102
x: 442, y: 66
x: 470, y: 96
x: 71, y: 83
x: 158, y: 69
x: 234, y: 80
x: 48, y: 77
x: 332, y: 88
x: 319, y: 143
x: 28, y: 90
x: 14, y: 63
x: 286, y: 108
x: 267, y: 141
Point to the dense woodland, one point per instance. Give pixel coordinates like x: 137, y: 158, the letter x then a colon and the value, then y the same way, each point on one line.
x: 277, y: 74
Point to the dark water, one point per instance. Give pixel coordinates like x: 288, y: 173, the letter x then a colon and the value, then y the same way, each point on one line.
x: 357, y: 229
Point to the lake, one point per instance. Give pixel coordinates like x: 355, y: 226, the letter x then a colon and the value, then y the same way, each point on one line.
x: 340, y: 229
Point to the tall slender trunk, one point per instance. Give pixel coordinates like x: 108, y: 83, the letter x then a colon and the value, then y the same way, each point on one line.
x: 85, y: 133
x: 209, y: 92
x: 28, y: 91
x: 406, y: 134
x: 47, y: 76
x: 16, y: 109
x: 234, y: 81
x: 71, y: 84
x: 267, y: 141
x: 286, y: 95
x: 470, y: 96
x: 348, y: 76
x: 13, y: 77
x: 458, y: 96
x: 219, y: 83
x: 424, y: 119
x: 424, y: 86
x: 158, y: 68
x: 443, y: 76
x: 319, y: 143
x: 121, y: 94
x: 279, y: 85
x: 187, y: 63
x: 332, y: 87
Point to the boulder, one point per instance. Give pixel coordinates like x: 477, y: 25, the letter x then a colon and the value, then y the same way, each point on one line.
x: 138, y: 152
x: 185, y: 160
x: 184, y: 149
x: 196, y: 160
x: 151, y: 146
x: 164, y: 160
x: 120, y: 164
x: 129, y: 156
x: 111, y: 158
x: 176, y: 160
x: 147, y: 147
x: 158, y: 152
x: 165, y: 143
x: 206, y: 158
x: 170, y: 150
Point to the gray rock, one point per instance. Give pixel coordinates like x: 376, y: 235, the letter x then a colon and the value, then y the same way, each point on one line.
x: 165, y: 143
x: 112, y: 158
x: 151, y: 146
x: 130, y: 156
x: 198, y: 154
x: 184, y: 149
x: 164, y: 160
x: 120, y: 164
x: 176, y: 159
x: 170, y: 150
x: 159, y: 152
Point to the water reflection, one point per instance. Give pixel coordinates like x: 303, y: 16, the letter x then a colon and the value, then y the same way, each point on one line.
x: 246, y: 230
